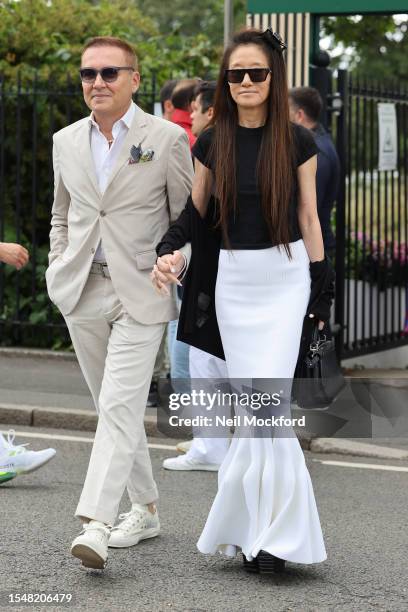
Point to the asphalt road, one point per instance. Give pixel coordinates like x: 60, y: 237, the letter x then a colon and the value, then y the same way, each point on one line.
x: 363, y: 514
x: 56, y: 383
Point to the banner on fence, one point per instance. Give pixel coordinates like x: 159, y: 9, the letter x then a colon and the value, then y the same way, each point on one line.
x: 387, y: 136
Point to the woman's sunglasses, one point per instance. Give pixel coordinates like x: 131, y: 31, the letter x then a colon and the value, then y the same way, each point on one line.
x: 237, y: 75
x: 108, y: 74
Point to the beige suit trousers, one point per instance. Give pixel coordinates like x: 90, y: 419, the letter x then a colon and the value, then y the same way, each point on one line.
x: 116, y: 355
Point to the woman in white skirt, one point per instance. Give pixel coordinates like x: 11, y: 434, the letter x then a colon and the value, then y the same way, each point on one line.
x: 260, y: 169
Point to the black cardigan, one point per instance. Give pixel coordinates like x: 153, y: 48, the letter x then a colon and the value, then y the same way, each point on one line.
x: 197, y: 322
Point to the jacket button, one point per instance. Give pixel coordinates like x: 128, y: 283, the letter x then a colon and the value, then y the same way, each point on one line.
x: 103, y: 213
x: 93, y: 251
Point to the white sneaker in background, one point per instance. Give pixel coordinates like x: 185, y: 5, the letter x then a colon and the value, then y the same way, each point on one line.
x: 136, y: 525
x: 184, y: 463
x: 91, y: 546
x: 19, y: 459
x: 5, y: 473
x: 184, y: 447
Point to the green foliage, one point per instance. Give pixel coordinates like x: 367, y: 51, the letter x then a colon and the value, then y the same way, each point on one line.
x: 179, y: 57
x: 191, y: 18
x: 174, y: 39
x: 48, y: 36
x: 377, y: 45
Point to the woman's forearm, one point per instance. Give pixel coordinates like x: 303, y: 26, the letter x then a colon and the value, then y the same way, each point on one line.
x: 312, y: 236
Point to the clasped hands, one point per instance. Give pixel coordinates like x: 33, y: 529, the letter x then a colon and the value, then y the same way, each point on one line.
x: 166, y: 270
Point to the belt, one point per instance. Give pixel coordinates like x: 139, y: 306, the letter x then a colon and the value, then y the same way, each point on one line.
x: 100, y: 268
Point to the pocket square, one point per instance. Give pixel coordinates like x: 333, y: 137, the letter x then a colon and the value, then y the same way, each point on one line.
x: 135, y: 154
x: 147, y: 155
x: 138, y: 155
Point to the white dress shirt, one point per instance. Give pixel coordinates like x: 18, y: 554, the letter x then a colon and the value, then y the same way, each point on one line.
x: 105, y: 157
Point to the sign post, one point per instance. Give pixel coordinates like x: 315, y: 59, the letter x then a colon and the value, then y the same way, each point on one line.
x: 227, y: 21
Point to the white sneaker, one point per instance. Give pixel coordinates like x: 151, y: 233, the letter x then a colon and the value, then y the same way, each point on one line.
x: 5, y: 473
x: 92, y: 545
x: 184, y: 447
x: 19, y: 459
x: 183, y: 462
x: 138, y: 524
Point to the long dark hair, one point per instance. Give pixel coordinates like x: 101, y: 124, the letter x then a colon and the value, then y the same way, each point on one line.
x: 275, y: 161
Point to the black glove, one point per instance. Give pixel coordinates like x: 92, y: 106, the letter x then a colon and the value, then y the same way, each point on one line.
x: 322, y: 289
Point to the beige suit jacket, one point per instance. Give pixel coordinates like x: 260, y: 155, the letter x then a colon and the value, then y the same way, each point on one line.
x: 130, y: 217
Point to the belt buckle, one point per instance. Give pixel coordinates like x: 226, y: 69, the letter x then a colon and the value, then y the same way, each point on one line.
x: 103, y: 266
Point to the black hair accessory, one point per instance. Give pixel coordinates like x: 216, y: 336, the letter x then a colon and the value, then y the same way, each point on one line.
x: 274, y: 39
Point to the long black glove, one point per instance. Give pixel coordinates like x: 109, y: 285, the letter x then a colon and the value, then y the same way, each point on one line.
x: 322, y: 289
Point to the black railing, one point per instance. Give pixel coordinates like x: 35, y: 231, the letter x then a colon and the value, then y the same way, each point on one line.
x: 30, y: 112
x: 371, y: 213
x: 372, y: 223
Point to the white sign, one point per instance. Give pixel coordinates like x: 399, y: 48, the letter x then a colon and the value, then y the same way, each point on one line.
x: 387, y: 137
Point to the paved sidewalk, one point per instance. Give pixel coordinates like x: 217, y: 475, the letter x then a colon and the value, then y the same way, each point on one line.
x: 45, y: 389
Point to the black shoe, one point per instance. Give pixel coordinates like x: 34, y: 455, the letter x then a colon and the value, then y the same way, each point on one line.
x: 269, y: 564
x: 153, y: 400
x: 250, y: 566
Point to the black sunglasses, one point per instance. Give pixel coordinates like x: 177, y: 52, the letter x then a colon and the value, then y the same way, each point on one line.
x: 237, y: 75
x: 109, y: 74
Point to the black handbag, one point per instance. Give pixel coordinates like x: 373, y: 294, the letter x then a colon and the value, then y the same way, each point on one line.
x: 318, y: 378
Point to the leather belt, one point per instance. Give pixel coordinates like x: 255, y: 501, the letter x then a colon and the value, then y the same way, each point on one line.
x: 100, y: 268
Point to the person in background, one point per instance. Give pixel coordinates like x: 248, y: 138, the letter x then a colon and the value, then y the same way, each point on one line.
x: 181, y: 99
x: 16, y: 459
x: 202, y: 453
x: 161, y: 364
x: 13, y: 254
x: 165, y: 98
x: 202, y: 106
x: 305, y: 107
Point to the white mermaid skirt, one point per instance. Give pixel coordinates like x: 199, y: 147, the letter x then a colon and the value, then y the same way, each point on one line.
x: 265, y: 498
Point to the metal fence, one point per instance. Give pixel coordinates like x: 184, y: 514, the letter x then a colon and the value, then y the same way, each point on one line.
x: 371, y: 213
x: 371, y: 222
x: 30, y: 112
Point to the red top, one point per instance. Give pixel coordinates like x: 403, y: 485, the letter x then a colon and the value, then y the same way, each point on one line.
x: 183, y: 119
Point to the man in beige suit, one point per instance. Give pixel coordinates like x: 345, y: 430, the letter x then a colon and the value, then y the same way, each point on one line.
x: 121, y: 175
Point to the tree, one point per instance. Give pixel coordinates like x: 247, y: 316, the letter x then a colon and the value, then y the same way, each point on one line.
x: 374, y: 46
x: 189, y: 19
x: 47, y: 37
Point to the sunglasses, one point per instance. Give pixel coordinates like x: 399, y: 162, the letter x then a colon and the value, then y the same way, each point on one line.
x: 237, y: 75
x: 108, y: 74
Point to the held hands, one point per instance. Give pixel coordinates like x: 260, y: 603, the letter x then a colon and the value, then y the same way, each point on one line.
x: 13, y: 254
x: 321, y: 323
x: 166, y: 271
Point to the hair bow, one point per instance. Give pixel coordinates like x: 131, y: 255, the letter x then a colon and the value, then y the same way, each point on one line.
x: 274, y: 39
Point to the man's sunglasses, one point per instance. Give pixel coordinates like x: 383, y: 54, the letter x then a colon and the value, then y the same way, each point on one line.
x: 237, y: 75
x: 108, y: 74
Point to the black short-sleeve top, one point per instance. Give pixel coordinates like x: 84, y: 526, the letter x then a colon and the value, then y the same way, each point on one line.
x: 248, y: 228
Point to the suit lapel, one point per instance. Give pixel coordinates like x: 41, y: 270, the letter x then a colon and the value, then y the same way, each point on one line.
x: 135, y: 136
x: 85, y: 159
